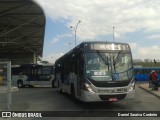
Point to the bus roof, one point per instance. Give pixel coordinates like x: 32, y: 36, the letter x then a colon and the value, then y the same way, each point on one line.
x: 98, y: 45
x: 144, y: 68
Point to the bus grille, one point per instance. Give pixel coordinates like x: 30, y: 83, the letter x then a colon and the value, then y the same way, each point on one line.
x: 107, y: 97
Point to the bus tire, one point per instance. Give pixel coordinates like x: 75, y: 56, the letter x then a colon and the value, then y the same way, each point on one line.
x: 20, y: 84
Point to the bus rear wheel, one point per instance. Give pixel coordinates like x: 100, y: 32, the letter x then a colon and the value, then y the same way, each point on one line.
x: 20, y: 84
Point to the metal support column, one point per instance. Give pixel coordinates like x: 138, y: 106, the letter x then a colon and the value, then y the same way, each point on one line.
x: 9, y: 86
x: 34, y: 58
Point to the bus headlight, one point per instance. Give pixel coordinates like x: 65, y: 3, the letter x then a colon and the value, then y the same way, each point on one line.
x: 88, y: 88
x: 132, y: 87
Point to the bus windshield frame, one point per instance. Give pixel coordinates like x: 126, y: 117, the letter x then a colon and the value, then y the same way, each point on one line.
x: 108, y: 66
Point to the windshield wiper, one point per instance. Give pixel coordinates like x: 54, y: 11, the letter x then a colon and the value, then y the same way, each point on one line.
x: 117, y: 57
x: 104, y: 58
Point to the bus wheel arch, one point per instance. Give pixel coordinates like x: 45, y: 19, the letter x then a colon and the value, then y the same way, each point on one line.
x: 20, y: 84
x: 73, y: 95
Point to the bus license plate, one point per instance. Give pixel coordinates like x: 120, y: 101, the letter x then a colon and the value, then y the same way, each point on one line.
x: 113, y: 99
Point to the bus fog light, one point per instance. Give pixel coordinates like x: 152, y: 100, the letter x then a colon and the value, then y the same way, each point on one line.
x: 89, y: 88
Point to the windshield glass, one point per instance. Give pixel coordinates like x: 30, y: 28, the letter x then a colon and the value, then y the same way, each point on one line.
x: 102, y: 66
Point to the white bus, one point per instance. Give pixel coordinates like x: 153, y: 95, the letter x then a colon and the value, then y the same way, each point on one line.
x: 33, y: 75
x: 96, y: 71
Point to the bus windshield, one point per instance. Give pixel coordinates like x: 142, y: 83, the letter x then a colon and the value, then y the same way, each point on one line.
x: 108, y: 66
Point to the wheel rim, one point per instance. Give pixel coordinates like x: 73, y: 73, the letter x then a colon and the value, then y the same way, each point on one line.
x: 20, y: 84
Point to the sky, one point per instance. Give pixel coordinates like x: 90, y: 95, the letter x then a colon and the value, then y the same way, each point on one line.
x: 136, y: 22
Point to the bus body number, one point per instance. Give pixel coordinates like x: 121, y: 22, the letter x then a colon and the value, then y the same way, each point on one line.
x: 99, y: 73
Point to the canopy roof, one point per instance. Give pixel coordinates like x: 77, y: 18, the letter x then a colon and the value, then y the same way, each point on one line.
x: 22, y: 26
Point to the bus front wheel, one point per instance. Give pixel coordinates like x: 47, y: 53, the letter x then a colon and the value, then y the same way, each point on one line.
x: 20, y: 84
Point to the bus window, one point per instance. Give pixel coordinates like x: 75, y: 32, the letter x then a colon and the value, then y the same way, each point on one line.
x: 148, y: 71
x: 144, y: 71
x: 135, y: 71
x: 46, y: 70
x: 158, y: 71
x: 32, y: 74
x: 34, y: 71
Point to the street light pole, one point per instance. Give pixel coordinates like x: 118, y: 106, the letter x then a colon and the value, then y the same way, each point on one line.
x: 113, y: 34
x: 75, y: 30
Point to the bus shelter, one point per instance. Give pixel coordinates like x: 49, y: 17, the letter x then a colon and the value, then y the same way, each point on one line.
x: 22, y: 27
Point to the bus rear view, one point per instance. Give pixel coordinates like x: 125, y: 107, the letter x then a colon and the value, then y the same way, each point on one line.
x: 103, y: 71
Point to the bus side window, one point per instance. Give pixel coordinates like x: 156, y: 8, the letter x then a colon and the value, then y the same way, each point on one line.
x: 39, y: 71
x: 73, y: 68
x: 19, y: 71
x: 46, y: 70
x: 135, y: 71
x: 34, y: 71
x: 26, y: 71
x: 158, y: 71
x: 144, y: 71
x: 147, y: 71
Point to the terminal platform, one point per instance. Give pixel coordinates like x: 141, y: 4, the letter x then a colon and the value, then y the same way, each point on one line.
x: 3, y: 89
x: 145, y: 86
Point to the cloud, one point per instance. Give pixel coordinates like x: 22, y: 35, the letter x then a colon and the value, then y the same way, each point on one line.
x: 154, y: 37
x: 151, y: 52
x: 99, y: 16
x: 61, y: 37
x: 140, y: 52
x: 133, y: 45
x: 53, y: 57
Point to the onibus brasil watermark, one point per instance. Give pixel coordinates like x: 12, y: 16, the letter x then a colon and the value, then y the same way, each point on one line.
x: 21, y: 114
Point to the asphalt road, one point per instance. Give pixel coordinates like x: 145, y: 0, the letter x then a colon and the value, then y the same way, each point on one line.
x: 48, y: 99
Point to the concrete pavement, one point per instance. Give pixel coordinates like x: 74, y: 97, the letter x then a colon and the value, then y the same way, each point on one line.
x: 4, y: 89
x: 145, y: 86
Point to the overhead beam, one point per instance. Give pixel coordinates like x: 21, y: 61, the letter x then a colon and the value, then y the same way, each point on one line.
x: 20, y: 26
x: 11, y: 9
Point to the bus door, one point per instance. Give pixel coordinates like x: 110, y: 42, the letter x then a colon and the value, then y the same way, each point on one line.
x: 45, y: 75
x: 33, y: 78
x: 79, y: 70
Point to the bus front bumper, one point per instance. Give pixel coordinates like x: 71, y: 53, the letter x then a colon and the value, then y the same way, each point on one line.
x: 113, y: 97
